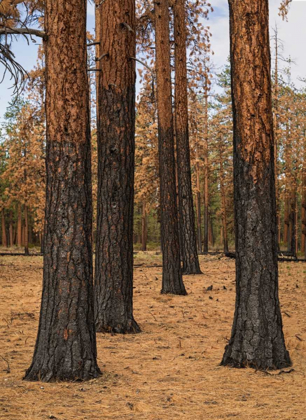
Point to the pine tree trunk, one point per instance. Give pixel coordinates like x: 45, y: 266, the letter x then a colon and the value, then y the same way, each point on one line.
x: 26, y: 231
x: 66, y: 344
x: 4, y: 237
x: 172, y: 274
x: 144, y: 227
x: 11, y: 230
x: 116, y: 163
x: 19, y: 226
x: 257, y: 338
x: 206, y: 190
x: 188, y: 241
x: 198, y: 208
x: 223, y: 207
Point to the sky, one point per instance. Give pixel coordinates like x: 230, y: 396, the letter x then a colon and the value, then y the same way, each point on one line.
x: 291, y: 33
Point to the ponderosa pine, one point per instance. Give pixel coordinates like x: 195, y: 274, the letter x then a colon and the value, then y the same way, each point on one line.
x: 257, y: 338
x: 116, y: 164
x: 188, y: 240
x: 66, y: 343
x: 172, y: 281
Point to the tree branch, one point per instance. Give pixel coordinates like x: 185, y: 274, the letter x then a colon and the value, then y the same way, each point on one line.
x: 23, y: 31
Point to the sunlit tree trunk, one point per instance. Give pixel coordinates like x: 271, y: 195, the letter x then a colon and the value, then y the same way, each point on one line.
x: 257, y: 338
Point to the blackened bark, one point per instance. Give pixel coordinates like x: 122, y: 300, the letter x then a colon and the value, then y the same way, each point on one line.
x: 188, y: 242
x: 172, y: 274
x: 19, y: 225
x: 144, y: 227
x: 257, y: 337
x: 66, y: 344
x: 4, y: 237
x: 116, y: 150
x: 26, y: 230
x: 206, y: 188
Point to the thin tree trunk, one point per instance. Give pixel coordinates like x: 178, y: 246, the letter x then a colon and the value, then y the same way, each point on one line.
x: 223, y: 206
x: 188, y: 241
x: 4, y: 237
x: 66, y: 342
x: 116, y: 163
x: 26, y: 230
x: 206, y: 190
x: 19, y: 226
x: 11, y: 230
x: 257, y: 338
x: 144, y: 227
x: 198, y: 185
x: 172, y: 274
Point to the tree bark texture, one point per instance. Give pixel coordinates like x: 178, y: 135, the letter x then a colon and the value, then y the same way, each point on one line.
x: 172, y: 274
x: 257, y: 338
x: 188, y: 242
x: 66, y: 344
x: 116, y: 163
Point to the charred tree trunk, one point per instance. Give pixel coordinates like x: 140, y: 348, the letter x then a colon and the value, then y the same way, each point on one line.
x: 26, y: 230
x: 144, y: 227
x: 206, y: 190
x: 198, y: 208
x: 257, y: 338
x: 223, y: 206
x: 66, y: 344
x: 116, y: 163
x: 172, y: 274
x: 19, y: 226
x: 11, y: 230
x: 4, y: 237
x: 188, y: 241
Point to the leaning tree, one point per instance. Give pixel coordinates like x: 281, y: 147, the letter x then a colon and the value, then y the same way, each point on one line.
x: 66, y: 343
x: 257, y: 338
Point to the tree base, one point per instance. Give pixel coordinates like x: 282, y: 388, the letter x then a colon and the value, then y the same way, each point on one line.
x: 129, y: 327
x: 191, y: 271
x: 174, y: 292
x: 60, y: 374
x: 259, y: 363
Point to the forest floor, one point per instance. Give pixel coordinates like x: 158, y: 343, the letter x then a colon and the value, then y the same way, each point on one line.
x: 171, y: 370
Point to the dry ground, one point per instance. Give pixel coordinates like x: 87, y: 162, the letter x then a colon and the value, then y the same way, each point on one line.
x: 171, y: 370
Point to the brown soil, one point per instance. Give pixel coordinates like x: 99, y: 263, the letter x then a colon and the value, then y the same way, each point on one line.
x: 171, y: 370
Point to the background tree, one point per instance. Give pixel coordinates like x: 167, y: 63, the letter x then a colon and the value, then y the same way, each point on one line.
x: 188, y: 241
x: 172, y: 275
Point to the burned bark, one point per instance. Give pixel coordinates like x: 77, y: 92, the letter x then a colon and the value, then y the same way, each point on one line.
x: 172, y: 274
x: 188, y: 241
x: 66, y: 343
x: 116, y: 163
x: 257, y: 338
